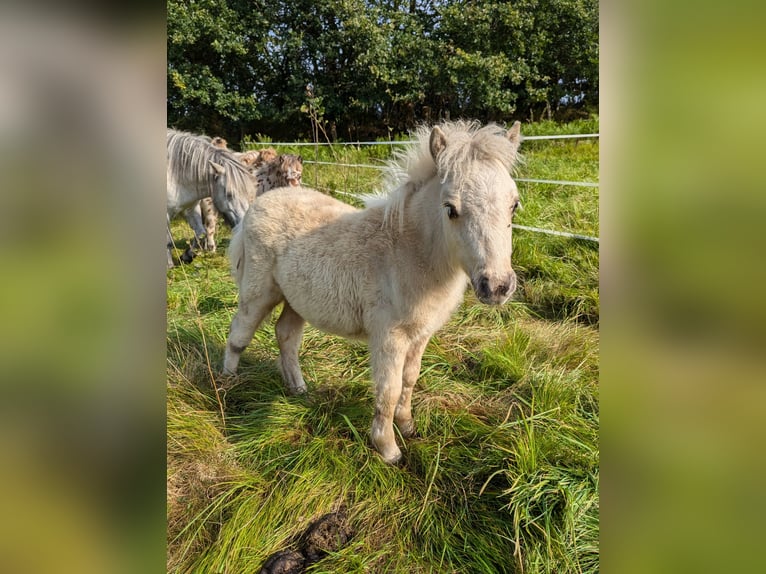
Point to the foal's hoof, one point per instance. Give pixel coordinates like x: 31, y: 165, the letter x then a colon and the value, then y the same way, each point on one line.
x: 407, y: 429
x: 297, y: 391
x: 392, y: 459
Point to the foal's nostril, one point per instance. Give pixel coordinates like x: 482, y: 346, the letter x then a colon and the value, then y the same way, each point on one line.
x: 495, y: 290
x: 508, y: 286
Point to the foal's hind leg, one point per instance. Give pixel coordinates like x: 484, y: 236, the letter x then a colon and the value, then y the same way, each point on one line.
x: 247, y: 319
x: 289, y: 333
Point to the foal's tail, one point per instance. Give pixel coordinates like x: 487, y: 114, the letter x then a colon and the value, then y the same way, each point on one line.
x: 237, y: 253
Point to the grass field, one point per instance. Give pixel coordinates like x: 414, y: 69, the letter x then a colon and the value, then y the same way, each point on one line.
x: 504, y: 474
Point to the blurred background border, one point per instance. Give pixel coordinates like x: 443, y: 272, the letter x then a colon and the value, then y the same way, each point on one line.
x: 82, y: 296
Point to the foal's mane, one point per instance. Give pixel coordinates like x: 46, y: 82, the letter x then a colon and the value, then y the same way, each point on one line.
x: 413, y: 166
x: 189, y: 156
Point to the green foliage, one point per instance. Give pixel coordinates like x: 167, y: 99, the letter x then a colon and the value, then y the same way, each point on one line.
x: 214, y: 64
x: 504, y: 475
x: 237, y: 67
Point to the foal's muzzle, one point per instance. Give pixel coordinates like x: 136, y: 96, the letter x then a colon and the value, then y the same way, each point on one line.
x: 494, y: 290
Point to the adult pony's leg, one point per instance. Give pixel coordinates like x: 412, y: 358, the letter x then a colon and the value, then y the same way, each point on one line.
x: 246, y: 320
x: 169, y: 247
x: 193, y: 216
x: 387, y: 361
x: 289, y: 334
x: 210, y: 219
x: 403, y: 413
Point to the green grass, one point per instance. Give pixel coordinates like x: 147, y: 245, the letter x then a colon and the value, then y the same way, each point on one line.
x: 504, y: 474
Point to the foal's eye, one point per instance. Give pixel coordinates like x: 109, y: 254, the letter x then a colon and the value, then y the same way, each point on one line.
x: 515, y: 207
x: 451, y: 211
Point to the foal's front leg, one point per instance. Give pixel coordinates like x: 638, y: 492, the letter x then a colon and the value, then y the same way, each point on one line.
x: 387, y: 360
x: 403, y: 413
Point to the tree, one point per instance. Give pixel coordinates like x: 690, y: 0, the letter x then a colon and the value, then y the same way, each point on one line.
x: 504, y: 58
x: 374, y: 67
x: 216, y: 52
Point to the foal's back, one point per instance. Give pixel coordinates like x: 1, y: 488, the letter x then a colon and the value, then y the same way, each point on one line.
x: 284, y: 213
x: 323, y: 255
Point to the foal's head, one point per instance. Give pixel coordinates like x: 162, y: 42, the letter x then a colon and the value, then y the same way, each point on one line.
x: 478, y: 199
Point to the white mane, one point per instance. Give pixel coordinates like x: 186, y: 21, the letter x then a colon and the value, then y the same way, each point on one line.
x: 414, y: 166
x: 189, y: 157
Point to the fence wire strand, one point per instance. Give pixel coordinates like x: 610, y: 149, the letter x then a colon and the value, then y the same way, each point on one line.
x: 412, y: 142
x: 409, y: 142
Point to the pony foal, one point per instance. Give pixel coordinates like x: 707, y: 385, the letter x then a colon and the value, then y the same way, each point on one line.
x: 390, y: 274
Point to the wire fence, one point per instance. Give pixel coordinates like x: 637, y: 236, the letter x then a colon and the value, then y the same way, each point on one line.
x: 364, y: 166
x: 411, y: 142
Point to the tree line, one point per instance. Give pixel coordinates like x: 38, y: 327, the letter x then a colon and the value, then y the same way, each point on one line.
x: 358, y: 69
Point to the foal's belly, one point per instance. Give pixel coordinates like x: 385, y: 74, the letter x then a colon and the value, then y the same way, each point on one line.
x: 336, y: 317
x: 330, y: 299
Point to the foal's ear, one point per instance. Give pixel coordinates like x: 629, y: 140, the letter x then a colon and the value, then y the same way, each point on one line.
x: 514, y: 134
x: 219, y: 169
x: 437, y: 143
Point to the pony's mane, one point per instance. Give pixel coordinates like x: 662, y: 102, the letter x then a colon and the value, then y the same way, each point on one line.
x: 189, y: 156
x: 413, y: 166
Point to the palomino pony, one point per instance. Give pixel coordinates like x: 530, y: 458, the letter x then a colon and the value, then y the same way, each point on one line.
x: 197, y: 169
x: 392, y: 273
